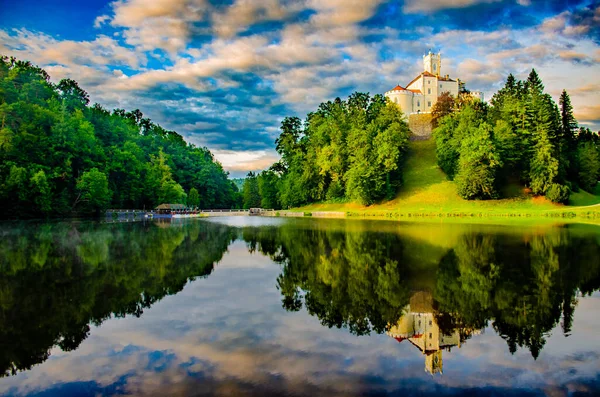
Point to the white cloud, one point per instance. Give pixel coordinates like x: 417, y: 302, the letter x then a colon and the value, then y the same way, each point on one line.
x: 342, y: 12
x: 416, y: 6
x: 245, y: 161
x: 101, y: 20
x: 43, y: 49
x: 244, y: 13
x: 135, y: 13
x: 588, y: 113
x: 160, y: 24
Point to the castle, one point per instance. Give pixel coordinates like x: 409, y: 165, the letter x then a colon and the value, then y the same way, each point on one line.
x: 421, y: 94
x: 420, y: 327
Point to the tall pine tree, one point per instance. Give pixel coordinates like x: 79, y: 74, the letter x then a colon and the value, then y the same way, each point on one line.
x: 568, y: 128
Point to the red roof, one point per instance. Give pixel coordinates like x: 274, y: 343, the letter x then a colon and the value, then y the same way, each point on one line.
x: 398, y: 88
x: 399, y: 339
x: 416, y: 91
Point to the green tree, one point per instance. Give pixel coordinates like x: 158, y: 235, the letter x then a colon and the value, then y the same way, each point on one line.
x: 588, y: 165
x: 567, y: 119
x: 16, y: 183
x: 193, y: 198
x: 171, y: 192
x: 478, y: 165
x: 73, y: 96
x: 160, y: 186
x: 267, y: 189
x: 445, y: 105
x: 93, y: 192
x: 449, y: 135
x: 251, y: 192
x: 40, y: 189
x: 544, y: 165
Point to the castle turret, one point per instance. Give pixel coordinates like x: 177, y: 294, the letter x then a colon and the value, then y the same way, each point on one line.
x: 432, y: 63
x: 433, y: 362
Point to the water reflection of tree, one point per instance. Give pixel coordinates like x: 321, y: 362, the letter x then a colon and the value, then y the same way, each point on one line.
x: 346, y: 279
x: 524, y: 284
x: 56, y: 279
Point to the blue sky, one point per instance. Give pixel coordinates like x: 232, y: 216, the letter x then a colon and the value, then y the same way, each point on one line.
x: 224, y: 73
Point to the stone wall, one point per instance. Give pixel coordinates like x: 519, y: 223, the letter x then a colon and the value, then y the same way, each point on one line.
x: 420, y: 125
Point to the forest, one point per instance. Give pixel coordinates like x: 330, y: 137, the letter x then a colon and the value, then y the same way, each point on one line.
x: 353, y: 150
x: 346, y: 150
x: 522, y: 137
x: 61, y: 156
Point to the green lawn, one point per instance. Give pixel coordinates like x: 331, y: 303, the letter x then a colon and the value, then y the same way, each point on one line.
x: 585, y: 198
x: 427, y: 191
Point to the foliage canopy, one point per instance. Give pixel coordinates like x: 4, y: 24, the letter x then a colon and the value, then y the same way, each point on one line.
x: 59, y: 155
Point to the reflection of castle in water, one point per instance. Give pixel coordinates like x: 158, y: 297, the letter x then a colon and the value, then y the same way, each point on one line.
x: 420, y: 327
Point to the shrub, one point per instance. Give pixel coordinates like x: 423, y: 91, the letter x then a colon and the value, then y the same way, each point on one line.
x: 558, y: 193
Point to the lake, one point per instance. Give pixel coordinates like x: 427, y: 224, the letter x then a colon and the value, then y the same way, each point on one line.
x: 270, y: 306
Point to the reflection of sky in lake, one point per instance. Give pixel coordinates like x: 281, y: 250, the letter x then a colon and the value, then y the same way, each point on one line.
x: 228, y: 335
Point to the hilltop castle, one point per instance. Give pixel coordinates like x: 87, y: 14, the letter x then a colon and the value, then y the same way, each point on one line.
x: 421, y: 94
x: 420, y: 327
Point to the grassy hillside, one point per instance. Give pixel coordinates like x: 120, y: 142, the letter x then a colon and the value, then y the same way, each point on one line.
x: 426, y: 190
x: 584, y: 198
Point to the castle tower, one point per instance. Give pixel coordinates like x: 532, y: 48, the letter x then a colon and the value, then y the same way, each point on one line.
x: 433, y: 362
x: 432, y: 63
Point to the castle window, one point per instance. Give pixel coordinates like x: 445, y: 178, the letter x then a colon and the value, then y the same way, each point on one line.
x: 429, y: 103
x: 429, y: 90
x: 428, y: 81
x: 418, y: 103
x: 430, y: 336
x: 429, y: 322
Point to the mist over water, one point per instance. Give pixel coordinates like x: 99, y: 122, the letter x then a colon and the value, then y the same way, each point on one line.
x: 269, y: 306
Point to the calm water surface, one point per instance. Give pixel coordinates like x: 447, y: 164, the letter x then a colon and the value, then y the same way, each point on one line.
x: 269, y: 306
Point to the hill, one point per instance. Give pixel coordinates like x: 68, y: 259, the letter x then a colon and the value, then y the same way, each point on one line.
x: 62, y: 156
x: 426, y: 190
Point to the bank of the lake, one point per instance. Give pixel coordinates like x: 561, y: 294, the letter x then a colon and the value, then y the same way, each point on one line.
x: 427, y: 192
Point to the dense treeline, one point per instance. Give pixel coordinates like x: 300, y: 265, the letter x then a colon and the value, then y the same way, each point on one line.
x: 522, y: 136
x: 59, y: 155
x: 349, y: 149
